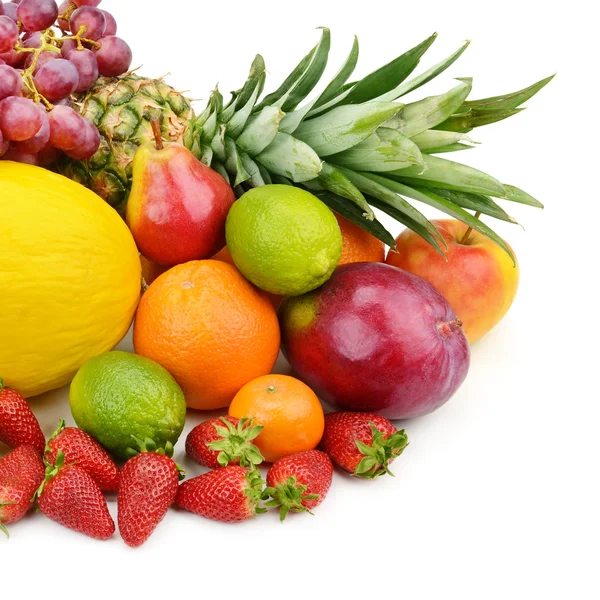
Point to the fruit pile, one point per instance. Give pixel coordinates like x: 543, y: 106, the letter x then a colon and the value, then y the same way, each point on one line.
x: 48, y: 53
x: 243, y: 231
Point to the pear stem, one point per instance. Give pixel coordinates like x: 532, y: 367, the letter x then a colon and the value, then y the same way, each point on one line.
x: 465, y: 238
x: 157, y: 133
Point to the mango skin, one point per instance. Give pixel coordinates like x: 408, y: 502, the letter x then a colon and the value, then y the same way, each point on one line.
x: 479, y: 280
x: 177, y: 206
x: 378, y: 339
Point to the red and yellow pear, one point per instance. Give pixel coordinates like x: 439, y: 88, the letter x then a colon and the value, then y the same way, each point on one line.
x: 177, y: 206
x: 478, y: 278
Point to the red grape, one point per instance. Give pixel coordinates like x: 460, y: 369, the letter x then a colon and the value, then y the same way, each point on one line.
x: 11, y: 83
x: 92, y: 19
x: 67, y: 46
x: 62, y: 9
x: 4, y: 145
x: 111, y: 24
x: 114, y: 56
x: 2, y: 61
x: 87, y: 66
x: 9, y: 34
x: 43, y: 58
x: 39, y: 140
x: 87, y: 2
x: 13, y: 58
x: 88, y: 145
x: 10, y: 10
x: 32, y: 40
x: 67, y: 128
x: 57, y: 79
x: 1, y: 8
x: 17, y: 155
x: 37, y: 15
x: 48, y: 155
x: 20, y: 118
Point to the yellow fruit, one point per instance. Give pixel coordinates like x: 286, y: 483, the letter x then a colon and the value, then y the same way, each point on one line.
x: 69, y: 278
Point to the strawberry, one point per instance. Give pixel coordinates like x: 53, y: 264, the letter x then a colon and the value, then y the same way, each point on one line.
x: 81, y: 449
x: 213, y: 445
x: 229, y: 494
x: 362, y: 443
x: 299, y: 482
x: 21, y: 473
x: 149, y: 483
x: 18, y: 425
x: 71, y: 497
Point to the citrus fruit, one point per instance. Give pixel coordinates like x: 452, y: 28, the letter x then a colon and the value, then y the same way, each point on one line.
x: 289, y: 411
x: 210, y: 328
x: 358, y: 245
x: 283, y: 239
x: 118, y: 396
x: 151, y: 270
x: 69, y: 278
x: 225, y: 256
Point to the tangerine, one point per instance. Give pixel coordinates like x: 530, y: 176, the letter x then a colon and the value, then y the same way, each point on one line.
x: 358, y: 245
x: 289, y: 411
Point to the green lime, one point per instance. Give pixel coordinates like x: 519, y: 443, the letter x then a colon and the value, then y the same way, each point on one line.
x: 118, y: 396
x: 283, y: 239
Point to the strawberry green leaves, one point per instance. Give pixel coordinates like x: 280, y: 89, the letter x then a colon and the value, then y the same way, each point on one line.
x: 236, y: 443
x: 380, y: 453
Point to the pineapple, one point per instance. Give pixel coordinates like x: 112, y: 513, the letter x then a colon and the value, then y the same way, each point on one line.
x: 356, y: 146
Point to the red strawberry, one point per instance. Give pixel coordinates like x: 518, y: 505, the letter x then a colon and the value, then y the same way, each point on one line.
x: 213, y: 445
x: 299, y: 482
x: 362, y: 443
x: 21, y: 473
x: 71, y: 497
x: 81, y: 449
x: 230, y: 494
x: 18, y: 425
x: 149, y: 483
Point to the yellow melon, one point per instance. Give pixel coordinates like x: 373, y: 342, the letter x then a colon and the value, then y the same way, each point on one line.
x: 69, y: 278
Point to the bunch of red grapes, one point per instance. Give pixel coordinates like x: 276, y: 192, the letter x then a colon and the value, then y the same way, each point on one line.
x: 47, y: 53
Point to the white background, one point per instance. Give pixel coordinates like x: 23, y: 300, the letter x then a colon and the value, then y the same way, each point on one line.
x: 496, y: 495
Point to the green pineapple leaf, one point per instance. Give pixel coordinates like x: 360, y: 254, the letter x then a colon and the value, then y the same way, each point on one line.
x: 291, y: 158
x: 351, y: 211
x: 466, y: 121
x: 417, y: 117
x: 260, y: 130
x: 449, y: 175
x: 335, y: 181
x: 426, y: 77
x: 385, y: 150
x: 433, y: 139
x: 389, y: 76
x: 514, y: 194
x: 345, y: 126
x: 476, y: 202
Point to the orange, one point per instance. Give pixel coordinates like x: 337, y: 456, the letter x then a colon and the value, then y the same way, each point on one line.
x: 289, y: 411
x: 225, y: 256
x: 210, y: 328
x: 358, y: 245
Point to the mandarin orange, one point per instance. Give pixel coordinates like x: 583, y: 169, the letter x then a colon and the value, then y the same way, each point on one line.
x: 358, y: 245
x: 210, y: 328
x: 289, y: 411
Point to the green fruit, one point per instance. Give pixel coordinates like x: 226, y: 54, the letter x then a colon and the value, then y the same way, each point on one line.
x: 119, y: 396
x: 283, y: 239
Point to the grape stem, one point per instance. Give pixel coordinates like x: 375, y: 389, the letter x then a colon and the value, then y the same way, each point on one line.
x: 78, y: 37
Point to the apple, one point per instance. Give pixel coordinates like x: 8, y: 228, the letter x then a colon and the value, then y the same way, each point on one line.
x: 478, y: 278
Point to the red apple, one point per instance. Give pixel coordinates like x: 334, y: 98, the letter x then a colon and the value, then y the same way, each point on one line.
x: 376, y: 338
x: 479, y: 279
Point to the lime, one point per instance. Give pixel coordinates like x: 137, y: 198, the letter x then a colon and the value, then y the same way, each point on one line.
x: 283, y: 239
x: 117, y: 396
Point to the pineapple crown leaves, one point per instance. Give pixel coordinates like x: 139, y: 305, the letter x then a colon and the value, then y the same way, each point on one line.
x: 288, y: 497
x: 380, y: 453
x: 236, y: 443
x: 140, y: 446
x: 357, y: 147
